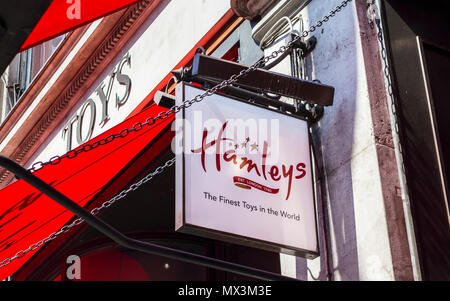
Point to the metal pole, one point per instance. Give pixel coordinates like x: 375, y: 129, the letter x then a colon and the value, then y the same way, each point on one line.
x: 128, y: 242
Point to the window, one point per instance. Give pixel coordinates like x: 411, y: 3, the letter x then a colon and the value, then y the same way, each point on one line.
x: 21, y: 73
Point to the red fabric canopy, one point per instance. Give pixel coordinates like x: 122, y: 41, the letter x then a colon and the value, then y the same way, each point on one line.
x: 27, y: 216
x: 65, y: 15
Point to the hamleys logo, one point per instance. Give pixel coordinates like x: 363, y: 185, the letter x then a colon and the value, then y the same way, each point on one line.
x: 225, y: 151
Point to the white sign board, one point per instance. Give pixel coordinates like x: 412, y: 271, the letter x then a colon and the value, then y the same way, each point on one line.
x: 243, y: 175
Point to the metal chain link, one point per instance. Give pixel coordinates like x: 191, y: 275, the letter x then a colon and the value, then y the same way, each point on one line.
x: 388, y: 82
x: 375, y: 21
x: 151, y: 121
x: 94, y: 211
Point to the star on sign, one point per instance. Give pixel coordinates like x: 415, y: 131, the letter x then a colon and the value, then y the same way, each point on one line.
x: 254, y: 146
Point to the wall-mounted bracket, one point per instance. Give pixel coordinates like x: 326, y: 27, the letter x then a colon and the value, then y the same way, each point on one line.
x: 306, y: 46
x: 256, y: 86
x: 209, y: 69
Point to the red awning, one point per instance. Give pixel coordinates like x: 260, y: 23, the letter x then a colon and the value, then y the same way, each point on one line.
x: 65, y: 15
x: 27, y: 216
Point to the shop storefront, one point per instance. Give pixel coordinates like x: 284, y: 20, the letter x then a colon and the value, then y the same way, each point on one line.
x: 331, y: 207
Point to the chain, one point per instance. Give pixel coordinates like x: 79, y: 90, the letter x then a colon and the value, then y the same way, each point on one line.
x: 388, y: 80
x: 149, y: 122
x: 94, y: 211
x: 375, y: 21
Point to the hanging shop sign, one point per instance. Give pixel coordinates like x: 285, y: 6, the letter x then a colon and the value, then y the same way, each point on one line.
x: 243, y: 175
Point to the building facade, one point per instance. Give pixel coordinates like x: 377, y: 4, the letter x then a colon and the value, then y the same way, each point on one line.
x: 371, y: 221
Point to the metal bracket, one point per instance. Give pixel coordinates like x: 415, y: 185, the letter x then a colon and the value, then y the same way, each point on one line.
x: 253, y: 96
x: 307, y: 46
x: 314, y: 110
x: 209, y: 69
x: 204, y: 75
x: 301, y: 49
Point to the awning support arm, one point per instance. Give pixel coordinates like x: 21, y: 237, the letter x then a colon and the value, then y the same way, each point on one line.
x: 128, y: 242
